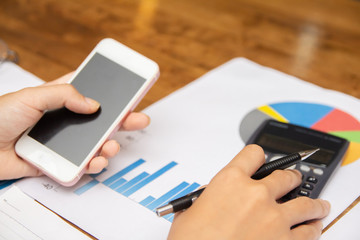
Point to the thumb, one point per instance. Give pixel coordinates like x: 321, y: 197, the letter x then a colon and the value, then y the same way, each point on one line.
x: 56, y: 96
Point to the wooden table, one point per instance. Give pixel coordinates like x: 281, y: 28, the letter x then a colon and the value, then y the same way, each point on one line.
x: 317, y: 41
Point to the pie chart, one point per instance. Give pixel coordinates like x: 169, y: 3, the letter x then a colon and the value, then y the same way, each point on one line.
x: 311, y: 115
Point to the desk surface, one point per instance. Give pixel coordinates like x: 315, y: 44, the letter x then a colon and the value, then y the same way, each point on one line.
x: 316, y: 41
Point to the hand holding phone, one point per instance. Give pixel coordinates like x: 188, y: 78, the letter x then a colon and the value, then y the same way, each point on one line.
x: 62, y: 143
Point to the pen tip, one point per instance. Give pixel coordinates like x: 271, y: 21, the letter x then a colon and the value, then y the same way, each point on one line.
x: 307, y: 153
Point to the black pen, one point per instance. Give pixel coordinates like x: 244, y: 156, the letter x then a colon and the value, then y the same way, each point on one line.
x: 186, y: 201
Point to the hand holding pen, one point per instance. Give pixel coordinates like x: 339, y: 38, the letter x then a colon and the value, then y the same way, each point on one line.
x: 249, y: 209
x: 186, y: 201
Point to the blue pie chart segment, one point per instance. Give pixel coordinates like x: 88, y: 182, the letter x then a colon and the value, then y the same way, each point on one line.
x: 300, y: 113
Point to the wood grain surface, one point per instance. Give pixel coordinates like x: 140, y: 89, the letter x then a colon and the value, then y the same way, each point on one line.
x: 317, y: 41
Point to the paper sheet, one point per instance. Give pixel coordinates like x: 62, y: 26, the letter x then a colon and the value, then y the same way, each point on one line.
x: 193, y: 134
x: 346, y: 227
x: 23, y: 218
x: 13, y: 78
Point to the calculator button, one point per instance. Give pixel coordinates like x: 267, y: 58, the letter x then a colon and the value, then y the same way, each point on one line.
x: 304, y: 168
x: 308, y: 186
x: 312, y: 179
x: 304, y: 193
x: 318, y: 171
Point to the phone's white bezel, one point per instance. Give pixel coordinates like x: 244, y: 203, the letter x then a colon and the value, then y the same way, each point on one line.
x: 61, y: 169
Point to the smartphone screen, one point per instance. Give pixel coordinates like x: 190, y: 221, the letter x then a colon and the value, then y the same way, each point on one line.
x: 73, y: 135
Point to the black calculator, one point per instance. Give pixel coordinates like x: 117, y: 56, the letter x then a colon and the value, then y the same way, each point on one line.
x: 279, y: 139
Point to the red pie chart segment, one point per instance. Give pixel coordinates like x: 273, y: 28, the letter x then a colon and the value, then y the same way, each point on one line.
x: 337, y: 120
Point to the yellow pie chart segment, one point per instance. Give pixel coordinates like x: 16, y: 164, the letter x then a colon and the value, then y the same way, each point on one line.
x: 272, y: 113
x: 352, y: 153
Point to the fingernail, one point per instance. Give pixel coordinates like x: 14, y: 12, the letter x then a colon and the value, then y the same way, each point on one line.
x: 92, y: 102
x: 298, y: 173
x: 149, y: 119
x: 326, y: 204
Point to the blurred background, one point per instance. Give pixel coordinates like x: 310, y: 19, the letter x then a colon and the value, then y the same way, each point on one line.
x: 315, y: 40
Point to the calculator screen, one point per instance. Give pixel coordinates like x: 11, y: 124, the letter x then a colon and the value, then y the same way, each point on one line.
x: 284, y: 145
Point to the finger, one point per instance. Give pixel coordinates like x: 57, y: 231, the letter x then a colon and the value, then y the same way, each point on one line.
x: 110, y: 149
x: 16, y: 167
x: 135, y: 121
x: 303, y: 209
x: 249, y: 159
x: 97, y: 164
x: 29, y: 171
x: 310, y: 230
x: 57, y: 96
x: 280, y: 182
x: 178, y: 214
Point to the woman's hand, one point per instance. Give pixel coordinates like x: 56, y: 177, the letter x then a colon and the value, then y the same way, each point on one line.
x: 22, y: 109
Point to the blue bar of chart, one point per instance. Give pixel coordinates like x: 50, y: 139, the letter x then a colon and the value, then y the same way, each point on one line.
x: 6, y: 183
x: 147, y: 200
x: 122, y: 172
x: 161, y: 200
x: 119, y: 184
x: 86, y: 187
x: 90, y: 184
x: 132, y: 182
x: 149, y: 179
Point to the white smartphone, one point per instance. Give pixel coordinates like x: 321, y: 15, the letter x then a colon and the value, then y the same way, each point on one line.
x: 62, y: 143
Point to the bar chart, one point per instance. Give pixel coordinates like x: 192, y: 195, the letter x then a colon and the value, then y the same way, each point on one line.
x: 120, y: 185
